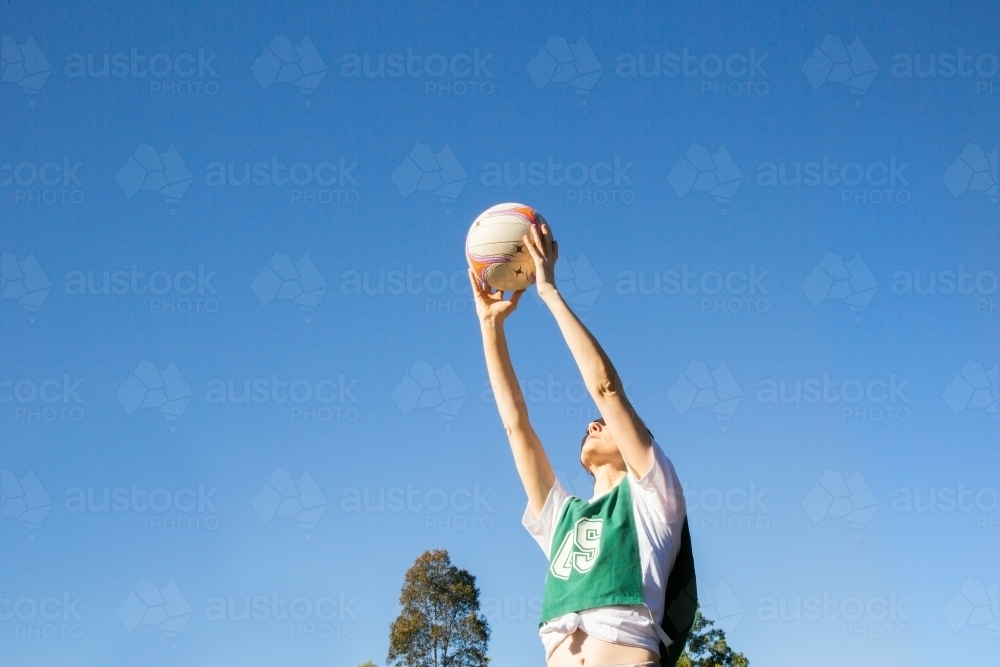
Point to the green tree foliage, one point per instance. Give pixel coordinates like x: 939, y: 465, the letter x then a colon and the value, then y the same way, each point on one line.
x: 368, y: 664
x: 707, y: 647
x: 440, y: 624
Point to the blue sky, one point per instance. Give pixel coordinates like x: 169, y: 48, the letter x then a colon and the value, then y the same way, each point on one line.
x: 820, y: 502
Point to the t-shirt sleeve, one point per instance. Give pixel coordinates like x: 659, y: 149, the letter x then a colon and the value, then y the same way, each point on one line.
x: 542, y: 526
x: 660, y: 491
x: 658, y: 504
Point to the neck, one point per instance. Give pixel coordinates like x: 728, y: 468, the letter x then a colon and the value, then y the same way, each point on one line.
x: 606, y: 477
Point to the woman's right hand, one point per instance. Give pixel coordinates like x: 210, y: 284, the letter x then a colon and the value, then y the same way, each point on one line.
x: 491, y: 307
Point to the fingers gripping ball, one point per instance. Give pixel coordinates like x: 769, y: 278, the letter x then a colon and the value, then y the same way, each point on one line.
x: 495, y: 247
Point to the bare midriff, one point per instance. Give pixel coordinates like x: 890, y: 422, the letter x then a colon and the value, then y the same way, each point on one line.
x: 581, y: 650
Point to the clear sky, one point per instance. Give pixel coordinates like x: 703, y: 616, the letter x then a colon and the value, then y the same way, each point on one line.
x: 242, y: 389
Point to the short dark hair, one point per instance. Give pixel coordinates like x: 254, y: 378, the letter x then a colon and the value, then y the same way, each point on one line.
x: 600, y: 420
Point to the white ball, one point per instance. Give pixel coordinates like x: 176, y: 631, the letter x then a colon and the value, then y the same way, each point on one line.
x: 495, y: 249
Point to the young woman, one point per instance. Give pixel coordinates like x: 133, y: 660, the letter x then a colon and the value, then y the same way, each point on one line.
x: 610, y: 557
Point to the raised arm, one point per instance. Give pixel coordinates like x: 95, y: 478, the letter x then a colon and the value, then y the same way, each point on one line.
x: 529, y: 456
x: 599, y: 375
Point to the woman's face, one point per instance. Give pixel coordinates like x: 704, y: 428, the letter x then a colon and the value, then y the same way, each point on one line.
x: 598, y: 446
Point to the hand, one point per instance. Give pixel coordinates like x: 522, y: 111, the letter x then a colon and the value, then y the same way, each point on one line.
x: 490, y: 305
x: 545, y: 251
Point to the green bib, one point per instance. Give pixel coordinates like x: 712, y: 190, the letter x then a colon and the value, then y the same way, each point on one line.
x: 595, y: 556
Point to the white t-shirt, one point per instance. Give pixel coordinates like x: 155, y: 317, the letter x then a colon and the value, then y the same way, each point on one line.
x: 659, y: 510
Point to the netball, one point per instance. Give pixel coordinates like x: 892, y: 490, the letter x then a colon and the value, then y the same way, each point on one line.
x: 495, y: 249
